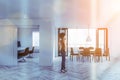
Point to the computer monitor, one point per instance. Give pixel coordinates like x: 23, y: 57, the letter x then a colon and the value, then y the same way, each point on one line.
x: 18, y: 44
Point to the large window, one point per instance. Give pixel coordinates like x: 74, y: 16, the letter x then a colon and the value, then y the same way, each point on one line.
x: 77, y: 37
x: 35, y: 38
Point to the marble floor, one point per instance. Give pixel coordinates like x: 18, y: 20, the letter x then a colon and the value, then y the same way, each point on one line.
x: 31, y: 70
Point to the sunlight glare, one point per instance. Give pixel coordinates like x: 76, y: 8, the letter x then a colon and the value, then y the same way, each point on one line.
x: 93, y: 22
x: 93, y: 12
x: 59, y: 7
x: 116, y: 5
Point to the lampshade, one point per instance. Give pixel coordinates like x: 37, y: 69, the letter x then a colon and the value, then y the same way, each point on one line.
x: 88, y: 39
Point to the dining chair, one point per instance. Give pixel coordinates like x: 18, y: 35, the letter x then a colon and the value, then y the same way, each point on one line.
x: 98, y: 55
x: 107, y: 54
x: 81, y: 49
x: 72, y: 54
x: 92, y: 52
x: 86, y: 56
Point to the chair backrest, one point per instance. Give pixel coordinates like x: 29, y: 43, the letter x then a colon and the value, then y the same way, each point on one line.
x: 86, y: 52
x: 81, y: 49
x: 98, y: 52
x: 91, y: 47
x: 32, y: 49
x: 26, y: 51
x: 71, y: 51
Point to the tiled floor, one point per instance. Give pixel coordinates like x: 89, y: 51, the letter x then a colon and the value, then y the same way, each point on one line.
x: 30, y: 70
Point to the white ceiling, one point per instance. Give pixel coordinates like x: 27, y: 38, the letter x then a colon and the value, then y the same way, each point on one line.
x: 62, y: 12
x: 76, y: 11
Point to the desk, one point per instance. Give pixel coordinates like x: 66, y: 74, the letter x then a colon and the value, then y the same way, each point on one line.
x: 23, y: 48
x: 20, y: 49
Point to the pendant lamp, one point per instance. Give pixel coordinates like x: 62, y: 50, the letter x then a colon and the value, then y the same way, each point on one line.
x: 88, y: 39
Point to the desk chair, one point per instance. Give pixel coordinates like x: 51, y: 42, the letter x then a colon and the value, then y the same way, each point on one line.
x: 31, y: 53
x: 23, y: 54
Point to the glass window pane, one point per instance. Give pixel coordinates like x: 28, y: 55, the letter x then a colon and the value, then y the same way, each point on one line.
x: 35, y: 38
x: 77, y: 37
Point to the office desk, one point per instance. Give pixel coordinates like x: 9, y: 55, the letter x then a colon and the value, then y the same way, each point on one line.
x: 20, y: 49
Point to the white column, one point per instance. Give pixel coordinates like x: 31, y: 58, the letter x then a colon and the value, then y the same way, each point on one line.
x: 8, y: 46
x: 93, y: 13
x: 93, y: 23
x: 46, y: 44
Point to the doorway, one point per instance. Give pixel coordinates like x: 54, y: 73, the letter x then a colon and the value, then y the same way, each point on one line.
x: 29, y: 37
x: 102, y: 39
x: 77, y: 38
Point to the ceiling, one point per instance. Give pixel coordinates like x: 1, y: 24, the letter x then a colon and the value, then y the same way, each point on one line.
x: 62, y: 12
x: 11, y: 8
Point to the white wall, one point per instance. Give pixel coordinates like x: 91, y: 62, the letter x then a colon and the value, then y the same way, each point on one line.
x: 8, y: 46
x: 109, y: 16
x: 56, y: 42
x: 114, y: 38
x: 46, y: 44
x: 25, y: 37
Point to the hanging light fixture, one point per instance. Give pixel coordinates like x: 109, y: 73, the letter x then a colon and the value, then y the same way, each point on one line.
x: 88, y: 39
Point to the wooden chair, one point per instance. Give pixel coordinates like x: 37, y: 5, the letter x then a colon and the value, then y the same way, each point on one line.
x: 81, y: 49
x: 98, y: 55
x: 91, y: 48
x: 72, y: 54
x: 107, y: 54
x: 23, y: 54
x: 86, y: 56
x: 92, y: 52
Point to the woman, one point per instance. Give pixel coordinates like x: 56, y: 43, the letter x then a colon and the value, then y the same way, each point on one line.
x: 63, y: 53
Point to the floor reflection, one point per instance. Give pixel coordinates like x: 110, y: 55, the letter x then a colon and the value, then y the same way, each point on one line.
x: 30, y: 70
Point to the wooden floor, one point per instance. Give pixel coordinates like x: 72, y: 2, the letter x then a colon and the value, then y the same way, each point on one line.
x: 30, y: 70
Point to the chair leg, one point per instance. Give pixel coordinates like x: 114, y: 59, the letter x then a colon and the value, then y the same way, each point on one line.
x: 72, y: 57
x: 109, y: 57
x: 29, y: 56
x: 22, y: 60
x: 106, y: 57
x: 101, y: 59
x: 77, y: 57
